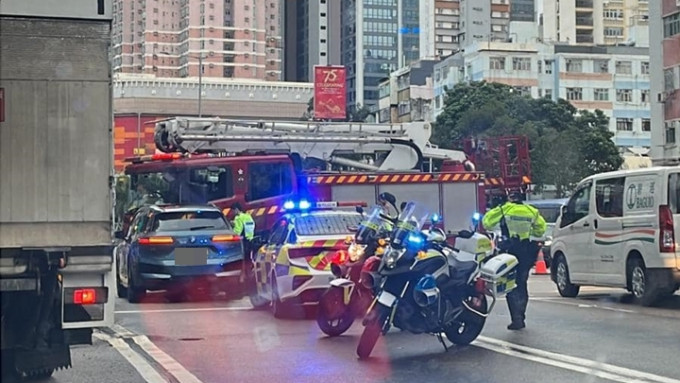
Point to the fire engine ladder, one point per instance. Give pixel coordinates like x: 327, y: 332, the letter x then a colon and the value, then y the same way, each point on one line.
x: 406, y: 144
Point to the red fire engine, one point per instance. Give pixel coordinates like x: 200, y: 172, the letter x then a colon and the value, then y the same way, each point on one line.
x: 262, y: 164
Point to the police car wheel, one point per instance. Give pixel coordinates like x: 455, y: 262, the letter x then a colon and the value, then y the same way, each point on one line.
x: 276, y: 306
x: 562, y: 279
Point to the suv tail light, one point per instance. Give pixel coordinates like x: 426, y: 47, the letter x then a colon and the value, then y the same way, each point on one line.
x: 666, y: 230
x: 156, y: 241
x: 226, y: 238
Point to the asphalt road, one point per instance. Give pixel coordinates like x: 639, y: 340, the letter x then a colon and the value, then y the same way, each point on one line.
x: 598, y: 337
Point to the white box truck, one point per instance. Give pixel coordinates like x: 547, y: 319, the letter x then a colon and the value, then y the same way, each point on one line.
x: 56, y: 258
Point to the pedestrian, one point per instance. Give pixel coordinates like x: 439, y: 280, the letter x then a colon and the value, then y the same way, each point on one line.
x: 244, y: 226
x: 519, y: 222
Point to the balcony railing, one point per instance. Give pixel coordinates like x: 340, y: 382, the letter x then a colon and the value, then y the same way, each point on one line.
x: 584, y: 38
x: 587, y: 21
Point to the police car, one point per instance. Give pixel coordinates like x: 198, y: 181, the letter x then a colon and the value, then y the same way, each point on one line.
x: 293, y: 267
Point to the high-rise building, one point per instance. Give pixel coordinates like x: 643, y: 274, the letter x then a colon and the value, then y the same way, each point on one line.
x: 596, y: 22
x: 171, y: 38
x: 487, y: 20
x: 378, y: 36
x: 664, y: 27
x: 312, y: 37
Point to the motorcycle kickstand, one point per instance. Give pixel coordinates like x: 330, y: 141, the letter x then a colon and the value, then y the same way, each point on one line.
x: 443, y: 342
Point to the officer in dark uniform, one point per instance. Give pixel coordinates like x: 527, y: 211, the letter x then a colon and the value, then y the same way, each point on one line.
x: 519, y: 222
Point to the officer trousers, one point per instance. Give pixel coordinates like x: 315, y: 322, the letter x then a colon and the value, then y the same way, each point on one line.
x: 518, y: 299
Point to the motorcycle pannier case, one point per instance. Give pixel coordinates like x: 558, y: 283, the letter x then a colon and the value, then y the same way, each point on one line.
x: 500, y: 273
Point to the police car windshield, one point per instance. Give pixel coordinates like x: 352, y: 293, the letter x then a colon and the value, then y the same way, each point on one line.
x: 190, y: 220
x: 326, y: 224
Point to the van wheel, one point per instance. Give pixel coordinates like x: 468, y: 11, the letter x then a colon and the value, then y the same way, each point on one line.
x: 562, y: 280
x: 643, y: 288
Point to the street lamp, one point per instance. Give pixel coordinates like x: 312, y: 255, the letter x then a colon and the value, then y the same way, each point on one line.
x: 200, y: 58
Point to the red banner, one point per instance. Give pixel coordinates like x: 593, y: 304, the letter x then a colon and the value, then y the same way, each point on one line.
x: 330, y: 98
x: 2, y: 104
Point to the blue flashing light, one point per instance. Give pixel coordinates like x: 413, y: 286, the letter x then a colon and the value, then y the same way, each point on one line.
x: 304, y: 204
x: 436, y: 218
x: 476, y: 216
x: 415, y: 239
x: 289, y: 205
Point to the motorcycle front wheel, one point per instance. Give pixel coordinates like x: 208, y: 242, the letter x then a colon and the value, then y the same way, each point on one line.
x: 467, y: 327
x: 373, y: 328
x: 333, y: 316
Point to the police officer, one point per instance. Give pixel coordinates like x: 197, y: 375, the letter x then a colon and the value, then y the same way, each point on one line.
x: 244, y: 225
x: 519, y: 222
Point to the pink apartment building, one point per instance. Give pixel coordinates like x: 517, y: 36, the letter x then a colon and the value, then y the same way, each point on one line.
x: 234, y: 38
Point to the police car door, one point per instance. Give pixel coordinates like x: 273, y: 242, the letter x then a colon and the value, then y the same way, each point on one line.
x: 577, y: 233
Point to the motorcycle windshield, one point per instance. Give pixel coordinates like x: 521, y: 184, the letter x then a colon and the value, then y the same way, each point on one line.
x: 411, y: 220
x: 370, y: 227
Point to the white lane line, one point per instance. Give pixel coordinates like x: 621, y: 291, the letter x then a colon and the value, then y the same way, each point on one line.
x: 234, y: 308
x: 591, y: 365
x: 566, y: 366
x: 561, y: 301
x: 165, y: 360
x: 145, y: 369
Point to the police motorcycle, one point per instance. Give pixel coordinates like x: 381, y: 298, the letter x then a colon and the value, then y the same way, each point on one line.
x: 348, y: 298
x: 427, y: 286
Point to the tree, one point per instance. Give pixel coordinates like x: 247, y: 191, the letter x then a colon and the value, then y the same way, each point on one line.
x: 566, y: 145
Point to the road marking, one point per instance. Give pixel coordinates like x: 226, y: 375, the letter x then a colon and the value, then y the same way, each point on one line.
x: 145, y: 369
x: 590, y: 367
x: 165, y: 360
x: 235, y: 308
x: 561, y: 301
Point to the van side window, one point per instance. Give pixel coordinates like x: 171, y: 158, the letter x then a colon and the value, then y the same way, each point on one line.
x: 578, y: 206
x: 674, y: 192
x: 609, y: 197
x: 269, y: 179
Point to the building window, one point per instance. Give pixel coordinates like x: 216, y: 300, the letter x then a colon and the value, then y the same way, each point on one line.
x: 624, y: 95
x: 644, y: 96
x: 671, y: 25
x: 644, y: 67
x: 601, y: 66
x: 521, y: 63
x: 601, y: 94
x: 574, y: 94
x: 669, y: 79
x: 497, y: 63
x: 548, y: 66
x: 646, y: 125
x: 624, y: 124
x: 624, y: 67
x: 574, y: 65
x: 613, y: 14
x: 670, y: 132
x: 613, y: 32
x: 522, y: 90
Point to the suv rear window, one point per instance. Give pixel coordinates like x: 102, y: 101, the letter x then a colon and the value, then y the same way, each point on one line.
x: 190, y: 220
x: 327, y: 224
x: 674, y: 192
x: 550, y: 214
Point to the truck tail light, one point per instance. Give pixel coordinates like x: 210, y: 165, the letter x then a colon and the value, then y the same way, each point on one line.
x: 666, y: 230
x: 84, y: 296
x: 156, y: 241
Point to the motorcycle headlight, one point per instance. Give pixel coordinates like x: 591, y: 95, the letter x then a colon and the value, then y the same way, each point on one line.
x: 355, y: 252
x: 392, y: 257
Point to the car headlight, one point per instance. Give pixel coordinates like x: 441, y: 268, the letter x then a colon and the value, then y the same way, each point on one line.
x: 392, y: 257
x: 355, y: 251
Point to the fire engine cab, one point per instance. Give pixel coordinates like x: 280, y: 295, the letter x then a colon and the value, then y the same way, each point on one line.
x: 263, y: 164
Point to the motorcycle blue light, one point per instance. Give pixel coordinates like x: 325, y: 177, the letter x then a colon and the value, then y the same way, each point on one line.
x: 415, y: 239
x: 304, y: 205
x: 476, y: 216
x: 288, y: 205
x: 435, y: 218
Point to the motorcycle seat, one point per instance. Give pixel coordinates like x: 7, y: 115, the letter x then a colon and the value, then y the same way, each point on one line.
x: 461, y: 271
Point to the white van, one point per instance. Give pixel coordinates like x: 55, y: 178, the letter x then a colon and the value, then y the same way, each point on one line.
x: 619, y: 229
